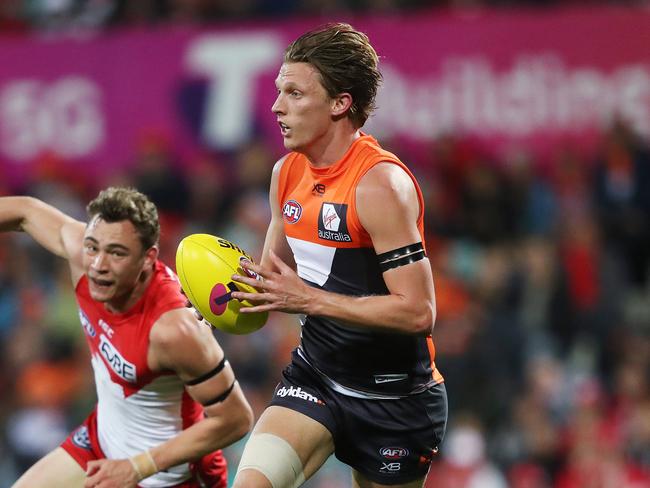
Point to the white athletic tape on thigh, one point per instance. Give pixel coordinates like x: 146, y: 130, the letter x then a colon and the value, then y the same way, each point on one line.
x: 274, y: 458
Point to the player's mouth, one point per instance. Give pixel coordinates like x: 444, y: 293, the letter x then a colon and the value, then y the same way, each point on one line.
x: 284, y: 128
x: 99, y: 284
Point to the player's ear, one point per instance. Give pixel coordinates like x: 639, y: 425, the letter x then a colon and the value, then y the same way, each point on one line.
x: 150, y: 256
x: 341, y: 103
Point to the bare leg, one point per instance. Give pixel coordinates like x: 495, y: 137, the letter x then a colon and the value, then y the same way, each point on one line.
x: 309, y: 439
x: 56, y: 470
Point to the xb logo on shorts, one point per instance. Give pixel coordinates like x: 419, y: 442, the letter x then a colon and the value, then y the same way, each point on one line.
x: 333, y: 222
x: 390, y: 468
x: 291, y: 211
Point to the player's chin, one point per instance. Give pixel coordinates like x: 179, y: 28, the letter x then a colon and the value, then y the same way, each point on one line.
x: 100, y: 296
x: 101, y: 293
x: 290, y: 143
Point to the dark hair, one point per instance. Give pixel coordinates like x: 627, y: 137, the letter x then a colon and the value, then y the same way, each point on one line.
x: 347, y: 63
x: 116, y: 204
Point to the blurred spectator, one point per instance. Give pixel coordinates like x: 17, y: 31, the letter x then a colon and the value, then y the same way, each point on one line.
x: 487, y: 208
x: 622, y: 193
x: 464, y: 461
x: 158, y: 176
x: 11, y: 18
x: 533, y: 201
x: 78, y: 16
x: 68, y: 15
x: 209, y: 195
x: 595, y: 451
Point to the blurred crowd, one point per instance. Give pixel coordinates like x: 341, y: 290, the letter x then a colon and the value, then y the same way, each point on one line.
x: 74, y: 15
x: 543, y: 295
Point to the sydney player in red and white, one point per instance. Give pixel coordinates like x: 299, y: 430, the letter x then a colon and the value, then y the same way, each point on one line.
x: 167, y: 397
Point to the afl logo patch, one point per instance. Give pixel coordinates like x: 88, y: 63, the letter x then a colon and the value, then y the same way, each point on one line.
x: 291, y: 211
x: 88, y: 327
x: 394, y: 452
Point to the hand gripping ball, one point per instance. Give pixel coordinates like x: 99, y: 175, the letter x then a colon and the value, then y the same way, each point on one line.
x: 205, y: 264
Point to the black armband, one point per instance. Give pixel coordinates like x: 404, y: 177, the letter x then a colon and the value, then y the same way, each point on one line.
x: 221, y: 397
x: 402, y: 256
x: 209, y: 374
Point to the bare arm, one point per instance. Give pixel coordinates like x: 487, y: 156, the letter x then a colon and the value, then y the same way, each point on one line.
x: 275, y: 239
x: 179, y: 342
x: 410, y: 305
x: 55, y: 231
x: 186, y: 346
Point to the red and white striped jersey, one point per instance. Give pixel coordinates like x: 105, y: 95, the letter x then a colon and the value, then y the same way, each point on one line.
x: 137, y: 409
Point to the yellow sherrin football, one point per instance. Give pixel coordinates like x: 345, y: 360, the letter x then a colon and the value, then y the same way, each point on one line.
x: 205, y: 264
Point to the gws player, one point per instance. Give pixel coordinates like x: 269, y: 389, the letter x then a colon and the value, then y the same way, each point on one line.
x: 167, y: 397
x: 363, y: 383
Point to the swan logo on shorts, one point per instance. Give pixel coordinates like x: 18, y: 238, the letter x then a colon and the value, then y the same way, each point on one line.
x: 332, y: 222
x: 291, y: 211
x: 80, y: 438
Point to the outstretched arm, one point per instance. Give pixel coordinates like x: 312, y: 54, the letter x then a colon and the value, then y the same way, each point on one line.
x: 182, y: 344
x: 55, y: 231
x: 410, y: 305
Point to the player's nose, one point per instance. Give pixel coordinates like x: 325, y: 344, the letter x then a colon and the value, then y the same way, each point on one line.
x: 99, y: 262
x: 278, y: 106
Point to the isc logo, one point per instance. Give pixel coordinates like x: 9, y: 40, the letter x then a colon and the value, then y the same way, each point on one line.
x: 393, y: 452
x: 291, y: 211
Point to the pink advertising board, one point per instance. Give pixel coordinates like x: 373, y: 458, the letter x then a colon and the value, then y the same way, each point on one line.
x: 511, y: 78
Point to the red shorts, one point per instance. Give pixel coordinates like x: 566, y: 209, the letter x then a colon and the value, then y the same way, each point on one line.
x: 83, y: 445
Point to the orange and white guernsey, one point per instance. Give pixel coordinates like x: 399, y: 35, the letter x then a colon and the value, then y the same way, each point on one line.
x: 137, y: 409
x: 334, y: 252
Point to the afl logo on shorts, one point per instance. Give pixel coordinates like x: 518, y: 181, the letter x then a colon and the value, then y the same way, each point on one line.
x: 393, y: 452
x: 291, y: 211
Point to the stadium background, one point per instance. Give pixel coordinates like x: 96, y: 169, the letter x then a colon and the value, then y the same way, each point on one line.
x: 527, y: 124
